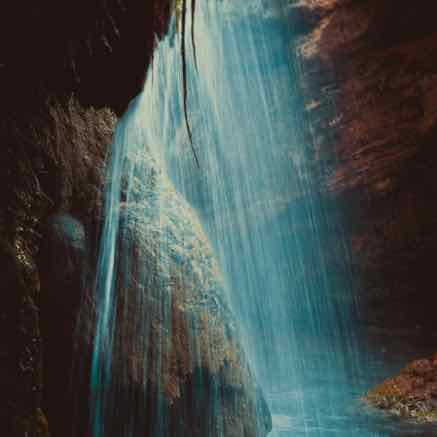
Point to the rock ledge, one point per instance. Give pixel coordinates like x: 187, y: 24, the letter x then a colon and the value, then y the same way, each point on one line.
x: 411, y: 394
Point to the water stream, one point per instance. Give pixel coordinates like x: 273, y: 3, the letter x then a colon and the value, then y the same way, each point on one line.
x: 279, y: 241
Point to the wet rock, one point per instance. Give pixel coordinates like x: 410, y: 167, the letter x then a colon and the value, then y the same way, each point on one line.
x: 53, y: 144
x: 369, y: 79
x: 411, y: 394
x: 63, y: 265
x: 177, y: 355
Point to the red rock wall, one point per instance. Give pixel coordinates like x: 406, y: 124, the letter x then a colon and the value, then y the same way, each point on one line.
x: 369, y: 75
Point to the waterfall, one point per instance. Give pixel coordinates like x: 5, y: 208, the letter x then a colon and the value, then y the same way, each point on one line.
x: 219, y: 274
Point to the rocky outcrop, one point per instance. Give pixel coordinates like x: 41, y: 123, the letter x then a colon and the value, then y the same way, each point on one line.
x: 72, y: 70
x: 176, y: 346
x: 65, y: 69
x: 50, y: 162
x: 412, y: 394
x: 370, y: 85
x: 369, y: 79
x: 176, y: 349
x: 20, y: 378
x: 66, y: 273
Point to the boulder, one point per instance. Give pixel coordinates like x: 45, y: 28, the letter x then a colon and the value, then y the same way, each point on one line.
x: 411, y: 394
x: 178, y: 366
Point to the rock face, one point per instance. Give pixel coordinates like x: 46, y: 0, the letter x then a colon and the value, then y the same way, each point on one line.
x: 98, y: 51
x: 65, y: 274
x: 59, y: 62
x: 72, y: 68
x: 50, y: 162
x: 411, y: 394
x: 369, y: 78
x: 177, y: 355
x: 20, y: 379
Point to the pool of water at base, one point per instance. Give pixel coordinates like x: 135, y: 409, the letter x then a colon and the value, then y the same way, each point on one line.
x: 309, y: 410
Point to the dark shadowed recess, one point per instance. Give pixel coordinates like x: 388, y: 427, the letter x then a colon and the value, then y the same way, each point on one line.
x: 401, y: 21
x: 65, y: 68
x: 97, y: 50
x: 375, y: 72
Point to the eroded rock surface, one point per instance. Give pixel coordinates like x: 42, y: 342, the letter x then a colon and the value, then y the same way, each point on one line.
x: 59, y: 62
x: 411, y: 394
x: 71, y: 69
x: 177, y: 363
x: 51, y: 161
x: 369, y: 78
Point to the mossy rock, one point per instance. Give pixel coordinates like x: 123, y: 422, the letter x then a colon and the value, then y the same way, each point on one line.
x: 411, y: 394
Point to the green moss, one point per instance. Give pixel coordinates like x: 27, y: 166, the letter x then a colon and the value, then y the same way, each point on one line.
x: 397, y: 397
x: 426, y: 416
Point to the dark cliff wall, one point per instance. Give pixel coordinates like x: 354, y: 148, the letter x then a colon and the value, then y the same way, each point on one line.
x: 53, y: 163
x: 72, y: 69
x: 369, y: 76
x: 95, y: 49
x: 66, y: 70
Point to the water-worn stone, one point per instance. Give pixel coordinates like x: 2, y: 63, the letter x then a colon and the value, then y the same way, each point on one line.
x: 59, y: 62
x: 411, y: 394
x: 177, y: 357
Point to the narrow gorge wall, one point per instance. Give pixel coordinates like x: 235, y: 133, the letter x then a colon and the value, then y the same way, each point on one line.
x: 66, y: 69
x: 369, y: 78
x: 51, y: 162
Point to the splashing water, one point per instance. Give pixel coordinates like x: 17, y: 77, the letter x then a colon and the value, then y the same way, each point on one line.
x: 279, y: 243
